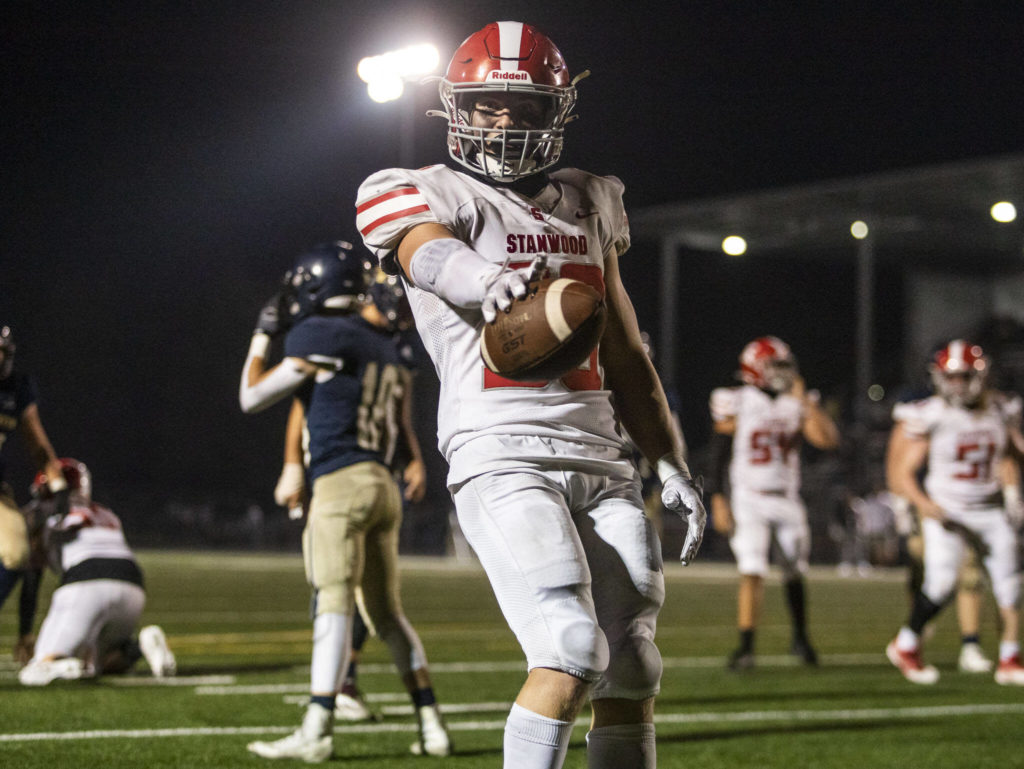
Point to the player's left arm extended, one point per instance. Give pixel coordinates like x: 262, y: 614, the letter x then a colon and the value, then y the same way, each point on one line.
x: 415, y: 472
x: 261, y: 388
x: 641, y: 405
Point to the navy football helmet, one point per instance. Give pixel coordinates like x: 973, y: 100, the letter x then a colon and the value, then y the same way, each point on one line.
x: 7, y: 348
x: 330, y: 276
x: 388, y: 295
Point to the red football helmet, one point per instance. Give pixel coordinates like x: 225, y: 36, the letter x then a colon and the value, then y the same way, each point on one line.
x: 511, y: 59
x: 77, y: 476
x: 768, y: 363
x: 959, y: 371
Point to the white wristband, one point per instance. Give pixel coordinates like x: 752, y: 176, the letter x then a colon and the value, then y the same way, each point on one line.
x: 670, y: 465
x: 259, y: 345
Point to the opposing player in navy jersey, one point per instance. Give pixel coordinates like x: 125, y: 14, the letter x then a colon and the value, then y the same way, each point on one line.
x: 389, y: 309
x: 19, y: 412
x: 542, y: 477
x: 350, y: 378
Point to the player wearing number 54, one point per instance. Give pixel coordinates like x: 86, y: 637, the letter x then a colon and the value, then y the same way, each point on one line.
x: 755, y: 483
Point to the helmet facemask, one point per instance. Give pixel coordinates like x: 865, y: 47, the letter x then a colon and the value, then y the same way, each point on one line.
x: 506, y: 154
x: 779, y: 375
x: 960, y: 389
x: 959, y: 373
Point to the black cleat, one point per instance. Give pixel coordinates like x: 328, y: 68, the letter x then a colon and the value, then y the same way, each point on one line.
x: 804, y: 652
x: 740, y: 660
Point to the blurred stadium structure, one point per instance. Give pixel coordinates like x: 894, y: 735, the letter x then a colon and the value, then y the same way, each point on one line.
x: 929, y: 262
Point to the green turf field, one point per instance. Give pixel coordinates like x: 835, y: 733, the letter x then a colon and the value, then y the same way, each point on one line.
x: 239, y: 627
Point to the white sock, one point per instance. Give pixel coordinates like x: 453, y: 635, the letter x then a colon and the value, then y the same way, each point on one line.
x: 1008, y: 649
x: 533, y: 741
x: 622, y: 745
x: 907, y: 640
x: 332, y: 637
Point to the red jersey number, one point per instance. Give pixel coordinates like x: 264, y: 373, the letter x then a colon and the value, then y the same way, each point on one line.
x: 587, y: 376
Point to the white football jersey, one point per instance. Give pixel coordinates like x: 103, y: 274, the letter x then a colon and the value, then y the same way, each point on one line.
x: 765, y: 446
x: 965, y: 447
x: 85, y: 532
x: 575, y: 220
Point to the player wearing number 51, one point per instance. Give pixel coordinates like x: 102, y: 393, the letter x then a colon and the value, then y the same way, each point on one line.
x: 342, y: 364
x: 969, y: 437
x: 543, y: 482
x: 755, y: 483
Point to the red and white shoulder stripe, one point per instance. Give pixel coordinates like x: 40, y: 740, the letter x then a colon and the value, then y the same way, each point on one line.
x: 389, y: 206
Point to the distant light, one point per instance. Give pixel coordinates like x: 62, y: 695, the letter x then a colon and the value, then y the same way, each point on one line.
x: 859, y: 230
x: 876, y: 392
x: 382, y: 89
x: 404, y: 64
x: 734, y: 245
x: 1004, y: 212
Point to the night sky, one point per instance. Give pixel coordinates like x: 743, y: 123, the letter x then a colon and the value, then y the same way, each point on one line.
x: 163, y: 163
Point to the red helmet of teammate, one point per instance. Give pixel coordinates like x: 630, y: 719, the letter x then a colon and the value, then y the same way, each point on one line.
x: 517, y: 64
x: 77, y: 476
x: 768, y: 363
x: 959, y: 371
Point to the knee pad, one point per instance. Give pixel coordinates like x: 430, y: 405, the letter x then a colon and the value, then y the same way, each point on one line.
x: 938, y: 589
x: 634, y: 670
x: 1007, y: 591
x: 336, y: 598
x: 566, y: 637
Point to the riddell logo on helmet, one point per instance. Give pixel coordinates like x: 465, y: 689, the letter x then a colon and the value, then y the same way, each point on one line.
x: 496, y: 74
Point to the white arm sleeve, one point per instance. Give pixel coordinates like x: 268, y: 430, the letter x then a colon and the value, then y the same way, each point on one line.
x: 280, y: 381
x: 453, y: 271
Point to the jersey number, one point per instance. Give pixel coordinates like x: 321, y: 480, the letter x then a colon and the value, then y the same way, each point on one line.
x: 376, y: 419
x: 979, y: 458
x: 763, y: 444
x: 587, y: 376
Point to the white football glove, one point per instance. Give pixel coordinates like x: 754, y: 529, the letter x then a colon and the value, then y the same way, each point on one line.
x: 682, y: 495
x: 509, y: 285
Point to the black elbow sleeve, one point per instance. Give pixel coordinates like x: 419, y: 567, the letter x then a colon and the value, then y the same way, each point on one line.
x: 721, y: 452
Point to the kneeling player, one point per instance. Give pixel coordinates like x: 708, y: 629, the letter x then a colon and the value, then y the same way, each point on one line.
x: 89, y: 627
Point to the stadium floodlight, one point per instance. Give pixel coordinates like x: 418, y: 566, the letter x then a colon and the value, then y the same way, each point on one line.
x: 734, y: 245
x: 1004, y: 212
x: 859, y: 230
x: 385, y: 73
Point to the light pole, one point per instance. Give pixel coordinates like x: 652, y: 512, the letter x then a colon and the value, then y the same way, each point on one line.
x: 385, y: 76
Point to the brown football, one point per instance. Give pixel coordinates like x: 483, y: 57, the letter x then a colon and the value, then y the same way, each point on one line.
x: 546, y: 334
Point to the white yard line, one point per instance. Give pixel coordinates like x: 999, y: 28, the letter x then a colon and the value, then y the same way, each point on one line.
x: 863, y: 714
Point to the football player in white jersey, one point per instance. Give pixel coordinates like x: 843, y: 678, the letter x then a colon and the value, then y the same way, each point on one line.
x: 758, y: 427
x: 92, y: 617
x: 970, y: 579
x: 543, y: 483
x: 971, y: 494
